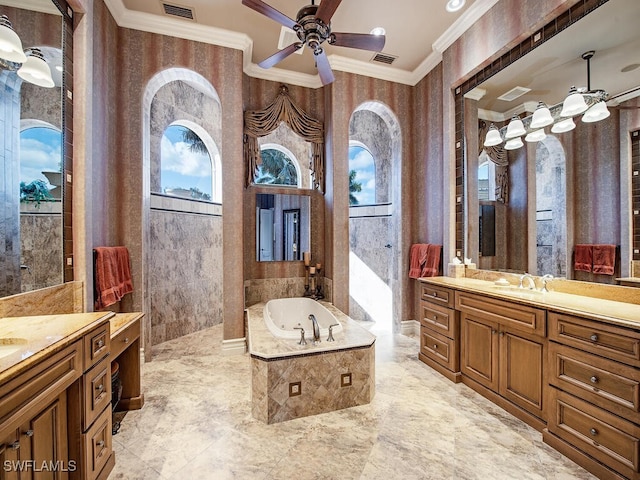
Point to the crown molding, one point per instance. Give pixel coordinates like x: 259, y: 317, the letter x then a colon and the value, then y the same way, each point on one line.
x: 239, y: 41
x: 34, y: 5
x: 463, y: 23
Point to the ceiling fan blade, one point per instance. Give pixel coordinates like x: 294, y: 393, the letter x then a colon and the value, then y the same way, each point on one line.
x: 364, y: 41
x: 279, y: 55
x: 261, y: 7
x: 326, y: 10
x: 324, y: 69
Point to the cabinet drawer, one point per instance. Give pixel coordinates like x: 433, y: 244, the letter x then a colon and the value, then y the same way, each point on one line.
x: 435, y: 294
x: 96, y: 386
x: 440, y: 349
x: 609, y: 439
x: 604, y: 382
x: 440, y: 319
x: 616, y: 343
x: 96, y: 345
x: 22, y: 397
x: 510, y: 314
x: 96, y: 445
x: 124, y: 338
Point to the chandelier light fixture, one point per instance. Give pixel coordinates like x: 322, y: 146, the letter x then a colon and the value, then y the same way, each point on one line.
x: 30, y: 65
x: 590, y: 103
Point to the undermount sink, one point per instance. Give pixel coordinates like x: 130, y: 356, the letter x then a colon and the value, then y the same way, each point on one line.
x: 516, y: 290
x: 11, y: 345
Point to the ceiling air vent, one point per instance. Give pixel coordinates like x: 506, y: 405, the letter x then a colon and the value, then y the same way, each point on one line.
x: 383, y: 58
x: 514, y: 93
x: 287, y: 37
x: 178, y: 11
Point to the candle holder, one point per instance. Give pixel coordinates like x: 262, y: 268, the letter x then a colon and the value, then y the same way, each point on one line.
x: 318, y: 289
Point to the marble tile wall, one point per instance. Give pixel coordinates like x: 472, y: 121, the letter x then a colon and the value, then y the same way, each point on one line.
x: 41, y: 246
x: 321, y: 385
x: 264, y: 289
x: 185, y: 273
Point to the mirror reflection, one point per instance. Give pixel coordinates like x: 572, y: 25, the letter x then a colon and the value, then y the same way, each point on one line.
x: 32, y: 153
x: 530, y: 205
x: 282, y: 227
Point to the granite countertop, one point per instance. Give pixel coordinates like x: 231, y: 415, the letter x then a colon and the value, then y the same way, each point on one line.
x: 26, y: 340
x: 619, y: 313
x: 121, y: 321
x: 264, y: 345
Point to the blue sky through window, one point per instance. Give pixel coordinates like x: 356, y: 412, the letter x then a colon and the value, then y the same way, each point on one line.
x: 361, y: 160
x: 180, y: 167
x: 40, y: 151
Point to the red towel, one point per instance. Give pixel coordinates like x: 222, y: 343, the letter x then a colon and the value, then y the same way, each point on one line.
x: 583, y: 258
x: 432, y: 264
x: 604, y: 259
x: 112, y: 275
x: 418, y: 257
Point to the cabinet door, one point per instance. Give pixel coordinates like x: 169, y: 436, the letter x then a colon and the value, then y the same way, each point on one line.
x: 522, y: 364
x: 15, y: 457
x: 479, y: 350
x: 48, y: 434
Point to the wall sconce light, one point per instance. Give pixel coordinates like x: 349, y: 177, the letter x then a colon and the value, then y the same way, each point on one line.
x: 563, y: 126
x: 541, y: 117
x: 30, y: 66
x: 493, y: 137
x: 595, y: 113
x: 515, y: 128
x: 513, y: 143
x: 536, y: 136
x: 574, y: 104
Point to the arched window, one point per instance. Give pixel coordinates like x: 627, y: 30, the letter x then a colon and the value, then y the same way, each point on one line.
x: 40, y: 159
x: 362, y: 175
x: 278, y: 167
x: 486, y: 178
x: 185, y: 164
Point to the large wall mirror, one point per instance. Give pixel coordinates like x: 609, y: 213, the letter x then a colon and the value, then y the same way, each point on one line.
x: 35, y: 157
x: 282, y: 227
x: 526, y: 208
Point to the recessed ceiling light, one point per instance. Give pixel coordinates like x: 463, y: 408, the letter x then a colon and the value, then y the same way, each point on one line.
x: 378, y: 31
x: 454, y: 5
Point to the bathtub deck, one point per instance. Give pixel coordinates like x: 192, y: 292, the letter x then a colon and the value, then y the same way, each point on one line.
x: 291, y: 381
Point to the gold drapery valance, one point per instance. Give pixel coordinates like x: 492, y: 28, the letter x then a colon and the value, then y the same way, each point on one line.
x: 259, y: 123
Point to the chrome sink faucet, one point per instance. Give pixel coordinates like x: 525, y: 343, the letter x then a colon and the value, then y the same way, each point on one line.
x: 316, y: 328
x: 546, y: 279
x: 529, y: 277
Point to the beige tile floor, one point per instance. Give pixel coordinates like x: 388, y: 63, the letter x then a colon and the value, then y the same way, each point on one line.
x: 197, y: 424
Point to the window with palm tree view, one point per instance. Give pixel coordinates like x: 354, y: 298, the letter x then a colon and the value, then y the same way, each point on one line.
x: 362, y: 176
x: 277, y: 168
x: 186, y: 169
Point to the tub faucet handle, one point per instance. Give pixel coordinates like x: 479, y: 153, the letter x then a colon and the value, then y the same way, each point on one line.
x: 302, y: 340
x: 330, y: 337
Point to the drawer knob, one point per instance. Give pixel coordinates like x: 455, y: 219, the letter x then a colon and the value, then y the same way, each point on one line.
x: 435, y: 346
x: 29, y: 433
x: 100, y: 387
x: 594, y: 379
x: 593, y: 431
x: 434, y: 294
x: 594, y: 337
x: 435, y: 317
x: 100, y: 343
x: 126, y: 339
x: 100, y: 443
x: 15, y: 445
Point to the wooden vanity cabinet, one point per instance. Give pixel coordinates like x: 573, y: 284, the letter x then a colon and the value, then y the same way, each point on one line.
x: 439, y: 331
x: 503, y: 354
x: 594, y: 408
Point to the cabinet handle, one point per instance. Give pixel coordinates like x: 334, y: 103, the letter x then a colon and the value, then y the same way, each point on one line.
x: 594, y: 379
x: 100, y: 387
x: 100, y: 343
x: 15, y: 445
x: 494, y: 331
x: 434, y: 294
x: 126, y: 339
x: 594, y: 337
x: 435, y: 317
x: 100, y: 443
x: 29, y: 433
x: 502, y: 334
x: 593, y: 431
x: 435, y: 346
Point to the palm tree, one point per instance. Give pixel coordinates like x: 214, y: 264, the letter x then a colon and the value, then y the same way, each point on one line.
x: 195, y: 143
x: 276, y: 168
x: 354, y: 187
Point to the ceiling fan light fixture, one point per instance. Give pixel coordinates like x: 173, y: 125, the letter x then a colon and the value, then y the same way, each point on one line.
x: 513, y: 144
x: 574, y: 104
x: 454, y: 5
x: 563, y: 126
x: 493, y: 137
x: 536, y: 136
x: 541, y: 117
x: 515, y: 128
x: 597, y: 112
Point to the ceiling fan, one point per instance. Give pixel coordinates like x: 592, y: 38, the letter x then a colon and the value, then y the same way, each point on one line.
x: 313, y: 27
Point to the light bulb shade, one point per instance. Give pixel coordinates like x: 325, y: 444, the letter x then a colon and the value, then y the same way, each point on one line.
x: 574, y: 104
x: 536, y: 136
x: 596, y: 113
x: 513, y: 143
x: 35, y: 70
x: 515, y: 128
x: 541, y: 117
x: 493, y: 137
x: 10, y: 44
x: 563, y: 126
